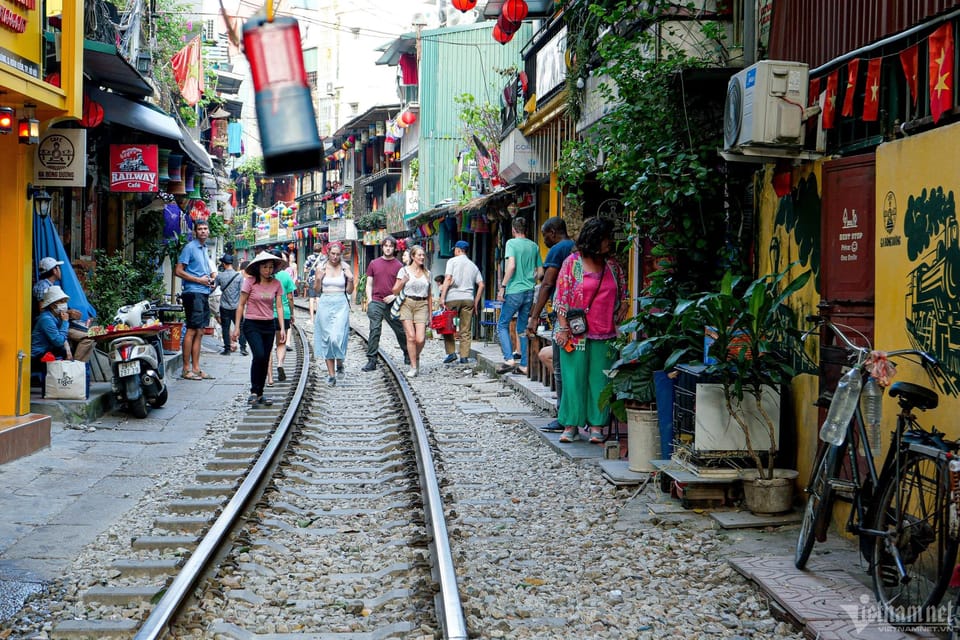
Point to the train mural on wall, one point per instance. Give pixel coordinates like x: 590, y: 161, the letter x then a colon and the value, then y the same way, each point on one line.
x: 932, y: 300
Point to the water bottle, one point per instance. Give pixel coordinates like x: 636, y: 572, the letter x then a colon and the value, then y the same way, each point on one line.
x: 872, y: 399
x: 844, y: 403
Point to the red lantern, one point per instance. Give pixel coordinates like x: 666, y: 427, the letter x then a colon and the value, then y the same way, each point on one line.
x: 92, y: 113
x: 408, y: 117
x: 507, y: 26
x: 515, y: 10
x: 500, y: 36
x: 464, y: 5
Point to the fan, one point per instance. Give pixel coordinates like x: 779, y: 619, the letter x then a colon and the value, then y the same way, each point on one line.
x: 732, y: 113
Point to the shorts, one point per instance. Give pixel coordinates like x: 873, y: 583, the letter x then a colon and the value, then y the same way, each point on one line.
x: 415, y: 310
x: 311, y: 292
x: 276, y: 324
x: 196, y: 309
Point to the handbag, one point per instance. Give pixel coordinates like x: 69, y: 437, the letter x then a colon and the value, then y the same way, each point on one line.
x: 576, y: 317
x: 397, y: 303
x: 66, y: 380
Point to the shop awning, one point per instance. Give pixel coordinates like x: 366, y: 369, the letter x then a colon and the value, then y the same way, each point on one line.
x: 136, y: 115
x: 105, y: 67
x: 193, y: 149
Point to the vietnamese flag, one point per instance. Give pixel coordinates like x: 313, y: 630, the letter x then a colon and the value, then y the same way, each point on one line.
x: 830, y: 101
x: 852, y: 67
x: 814, y: 94
x: 908, y: 59
x: 940, y: 51
x: 871, y: 96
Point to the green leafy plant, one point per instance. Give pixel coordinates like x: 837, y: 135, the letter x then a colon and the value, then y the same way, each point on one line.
x: 116, y: 281
x: 371, y: 221
x: 218, y: 227
x: 756, y: 346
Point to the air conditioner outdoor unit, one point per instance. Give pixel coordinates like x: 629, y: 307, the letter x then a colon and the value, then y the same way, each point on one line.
x: 765, y: 105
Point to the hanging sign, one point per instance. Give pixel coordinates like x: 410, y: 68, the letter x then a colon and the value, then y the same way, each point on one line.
x: 134, y: 168
x: 61, y: 159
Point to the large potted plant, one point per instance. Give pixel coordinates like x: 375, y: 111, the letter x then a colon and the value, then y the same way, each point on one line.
x: 638, y: 392
x: 756, y: 344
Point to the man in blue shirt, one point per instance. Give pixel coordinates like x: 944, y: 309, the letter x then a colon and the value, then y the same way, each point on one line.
x: 554, y: 232
x: 199, y: 280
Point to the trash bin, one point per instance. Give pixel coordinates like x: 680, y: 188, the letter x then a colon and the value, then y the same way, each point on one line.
x: 643, y: 439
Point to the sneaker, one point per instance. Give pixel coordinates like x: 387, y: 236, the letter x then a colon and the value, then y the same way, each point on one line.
x: 244, y: 352
x: 406, y: 360
x: 596, y: 435
x: 412, y: 373
x: 332, y: 381
x: 225, y: 352
x: 370, y: 366
x: 570, y: 434
x: 552, y: 427
x: 466, y: 361
x: 450, y: 359
x: 281, y: 374
x: 340, y: 369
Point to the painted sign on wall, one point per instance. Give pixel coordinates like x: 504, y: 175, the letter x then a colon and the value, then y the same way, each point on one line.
x: 61, y: 158
x: 918, y: 254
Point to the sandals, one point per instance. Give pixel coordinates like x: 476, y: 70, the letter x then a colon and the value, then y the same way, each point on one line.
x: 189, y: 375
x: 267, y: 402
x: 506, y: 368
x: 254, y: 400
x: 204, y: 375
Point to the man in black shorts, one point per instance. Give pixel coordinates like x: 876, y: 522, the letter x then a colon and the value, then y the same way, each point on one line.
x: 199, y: 280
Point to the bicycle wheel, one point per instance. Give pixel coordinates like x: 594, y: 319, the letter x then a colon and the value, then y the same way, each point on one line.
x: 913, y: 515
x: 816, y: 515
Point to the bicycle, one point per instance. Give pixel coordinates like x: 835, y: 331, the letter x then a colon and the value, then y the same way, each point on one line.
x: 908, y: 534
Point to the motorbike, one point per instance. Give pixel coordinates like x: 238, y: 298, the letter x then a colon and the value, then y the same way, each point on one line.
x: 136, y: 358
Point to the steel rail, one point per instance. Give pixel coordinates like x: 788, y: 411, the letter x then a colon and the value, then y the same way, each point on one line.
x: 450, y: 616
x: 157, y: 623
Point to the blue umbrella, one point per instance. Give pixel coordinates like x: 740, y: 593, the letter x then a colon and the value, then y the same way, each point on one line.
x: 46, y: 242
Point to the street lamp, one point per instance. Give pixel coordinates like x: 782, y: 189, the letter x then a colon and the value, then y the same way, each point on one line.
x: 41, y: 200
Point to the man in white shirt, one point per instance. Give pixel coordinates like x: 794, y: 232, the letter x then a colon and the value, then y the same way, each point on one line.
x: 462, y: 292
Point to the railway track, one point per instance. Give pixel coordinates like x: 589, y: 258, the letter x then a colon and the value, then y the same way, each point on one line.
x: 343, y: 472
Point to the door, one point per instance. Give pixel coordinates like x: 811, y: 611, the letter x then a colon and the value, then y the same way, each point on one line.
x: 847, y: 276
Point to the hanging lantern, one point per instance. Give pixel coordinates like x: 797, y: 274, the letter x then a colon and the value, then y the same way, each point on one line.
x: 408, y: 117
x: 500, y: 36
x: 507, y: 26
x: 515, y: 10
x: 92, y: 113
x: 389, y: 145
x: 464, y: 5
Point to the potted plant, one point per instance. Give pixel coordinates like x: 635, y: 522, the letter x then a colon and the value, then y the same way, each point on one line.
x: 651, y: 343
x: 755, y: 347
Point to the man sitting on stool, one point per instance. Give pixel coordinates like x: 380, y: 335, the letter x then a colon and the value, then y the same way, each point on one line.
x: 82, y: 344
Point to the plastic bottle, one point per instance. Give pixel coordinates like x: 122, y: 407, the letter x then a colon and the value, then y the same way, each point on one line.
x: 844, y: 403
x: 872, y: 398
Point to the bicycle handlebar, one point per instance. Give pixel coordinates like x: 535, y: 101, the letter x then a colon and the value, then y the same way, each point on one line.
x: 926, y: 359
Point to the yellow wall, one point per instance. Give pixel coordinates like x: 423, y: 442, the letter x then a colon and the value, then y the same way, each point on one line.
x: 785, y: 236
x: 918, y: 257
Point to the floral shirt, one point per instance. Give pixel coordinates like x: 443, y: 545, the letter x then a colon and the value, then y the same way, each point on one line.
x: 571, y: 293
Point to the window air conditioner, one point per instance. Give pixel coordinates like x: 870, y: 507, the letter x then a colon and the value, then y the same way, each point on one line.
x: 765, y: 105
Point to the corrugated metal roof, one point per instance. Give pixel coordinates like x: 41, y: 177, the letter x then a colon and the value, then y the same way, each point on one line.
x: 817, y: 31
x: 455, y: 61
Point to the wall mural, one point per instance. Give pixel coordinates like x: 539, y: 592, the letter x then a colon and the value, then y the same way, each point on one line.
x: 932, y: 300
x: 799, y: 215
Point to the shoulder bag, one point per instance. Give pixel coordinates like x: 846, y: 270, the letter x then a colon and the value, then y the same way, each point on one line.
x: 576, y: 317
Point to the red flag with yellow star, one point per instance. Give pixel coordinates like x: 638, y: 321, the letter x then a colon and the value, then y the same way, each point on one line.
x: 188, y: 71
x: 830, y: 101
x: 940, y: 48
x: 852, y: 67
x: 814, y: 93
x: 908, y: 60
x: 871, y: 95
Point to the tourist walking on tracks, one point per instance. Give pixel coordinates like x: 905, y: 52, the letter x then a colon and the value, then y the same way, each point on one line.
x: 331, y: 329
x: 381, y: 276
x: 554, y: 232
x: 229, y: 281
x: 523, y: 267
x: 259, y: 295
x: 313, y: 262
x: 282, y: 337
x: 417, y: 307
x: 462, y: 292
x: 193, y: 267
x: 590, y: 280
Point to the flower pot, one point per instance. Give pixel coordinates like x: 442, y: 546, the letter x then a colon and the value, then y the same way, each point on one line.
x: 643, y: 439
x: 172, y: 337
x: 768, y: 497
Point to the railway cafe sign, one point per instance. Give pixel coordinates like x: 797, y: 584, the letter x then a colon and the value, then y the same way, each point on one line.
x: 133, y: 168
x: 61, y: 159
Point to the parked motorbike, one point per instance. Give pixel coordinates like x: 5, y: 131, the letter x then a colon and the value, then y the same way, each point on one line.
x: 136, y: 358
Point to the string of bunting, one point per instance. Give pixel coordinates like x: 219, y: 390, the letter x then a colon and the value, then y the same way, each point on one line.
x: 940, y: 56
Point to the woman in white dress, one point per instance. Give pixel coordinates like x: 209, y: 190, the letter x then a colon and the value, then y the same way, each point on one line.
x: 417, y: 308
x: 331, y: 327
